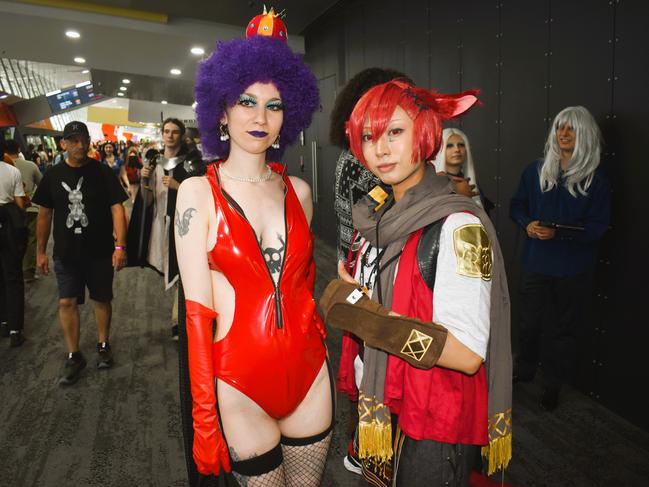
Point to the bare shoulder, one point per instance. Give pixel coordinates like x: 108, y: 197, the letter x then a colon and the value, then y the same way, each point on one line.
x: 303, y: 192
x: 194, y: 189
x: 302, y: 188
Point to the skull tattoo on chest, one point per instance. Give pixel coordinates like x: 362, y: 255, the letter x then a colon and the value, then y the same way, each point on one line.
x: 273, y: 256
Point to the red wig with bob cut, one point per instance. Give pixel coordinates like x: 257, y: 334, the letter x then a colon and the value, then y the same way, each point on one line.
x: 427, y: 109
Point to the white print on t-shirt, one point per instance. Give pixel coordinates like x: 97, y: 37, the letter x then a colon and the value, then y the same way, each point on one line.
x: 76, y: 208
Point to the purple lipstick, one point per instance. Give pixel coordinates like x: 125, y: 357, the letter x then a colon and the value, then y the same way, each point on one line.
x: 257, y: 133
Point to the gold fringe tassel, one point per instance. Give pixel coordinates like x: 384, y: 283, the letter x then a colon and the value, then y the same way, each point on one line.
x: 375, y: 441
x: 499, y: 453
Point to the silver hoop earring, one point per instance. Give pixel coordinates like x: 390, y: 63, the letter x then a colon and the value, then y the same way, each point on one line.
x: 275, y: 145
x: 223, y: 130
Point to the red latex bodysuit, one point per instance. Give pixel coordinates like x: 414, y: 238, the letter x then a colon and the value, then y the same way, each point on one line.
x: 274, y: 349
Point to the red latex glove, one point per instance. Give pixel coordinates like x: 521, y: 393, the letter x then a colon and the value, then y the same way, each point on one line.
x: 210, y: 450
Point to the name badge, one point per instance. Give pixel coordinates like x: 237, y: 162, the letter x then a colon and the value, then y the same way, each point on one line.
x: 354, y: 296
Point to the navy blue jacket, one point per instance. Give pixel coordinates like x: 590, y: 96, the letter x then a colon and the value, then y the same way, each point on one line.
x: 569, y: 252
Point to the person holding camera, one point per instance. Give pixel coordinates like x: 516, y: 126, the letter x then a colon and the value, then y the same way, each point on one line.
x: 151, y: 229
x: 563, y: 204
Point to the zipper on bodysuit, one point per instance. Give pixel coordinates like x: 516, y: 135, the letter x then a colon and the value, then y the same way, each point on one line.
x: 278, y: 298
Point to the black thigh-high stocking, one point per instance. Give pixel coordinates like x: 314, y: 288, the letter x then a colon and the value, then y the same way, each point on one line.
x: 265, y: 470
x: 305, y: 458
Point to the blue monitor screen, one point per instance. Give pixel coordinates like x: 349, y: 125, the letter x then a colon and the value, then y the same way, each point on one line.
x: 71, y: 98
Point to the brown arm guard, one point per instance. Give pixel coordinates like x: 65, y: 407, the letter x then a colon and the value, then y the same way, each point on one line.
x: 418, y: 343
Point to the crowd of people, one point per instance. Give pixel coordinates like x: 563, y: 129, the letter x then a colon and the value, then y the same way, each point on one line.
x: 422, y: 293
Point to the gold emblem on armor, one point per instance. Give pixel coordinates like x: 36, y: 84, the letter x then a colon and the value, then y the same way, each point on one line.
x: 473, y: 251
x: 417, y: 345
x: 378, y: 195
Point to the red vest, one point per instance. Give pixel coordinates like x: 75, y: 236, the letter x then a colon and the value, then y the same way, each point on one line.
x: 435, y: 404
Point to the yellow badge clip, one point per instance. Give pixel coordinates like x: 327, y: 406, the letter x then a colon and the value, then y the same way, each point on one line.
x: 378, y: 195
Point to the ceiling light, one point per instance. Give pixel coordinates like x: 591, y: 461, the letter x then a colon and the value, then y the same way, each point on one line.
x: 122, y: 88
x: 175, y: 71
x: 197, y: 51
x: 85, y: 71
x: 79, y: 60
x: 72, y: 34
x: 2, y: 97
x: 164, y: 102
x: 126, y: 81
x: 194, y: 104
x: 120, y: 94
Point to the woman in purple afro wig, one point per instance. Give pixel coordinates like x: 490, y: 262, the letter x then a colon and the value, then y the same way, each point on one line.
x: 239, y: 63
x: 245, y: 253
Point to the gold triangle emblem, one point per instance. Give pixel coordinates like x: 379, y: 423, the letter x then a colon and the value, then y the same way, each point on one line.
x: 417, y: 345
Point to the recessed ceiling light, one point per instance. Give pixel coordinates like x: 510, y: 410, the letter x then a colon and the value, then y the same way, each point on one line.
x: 126, y: 81
x: 72, y: 34
x: 175, y: 71
x: 120, y: 94
x: 164, y: 102
x: 85, y: 71
x: 79, y: 60
x: 122, y: 88
x: 197, y: 51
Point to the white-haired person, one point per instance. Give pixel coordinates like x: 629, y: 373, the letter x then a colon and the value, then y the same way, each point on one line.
x: 456, y: 160
x: 563, y: 204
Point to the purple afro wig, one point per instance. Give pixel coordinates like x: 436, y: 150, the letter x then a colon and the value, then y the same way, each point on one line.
x: 237, y: 64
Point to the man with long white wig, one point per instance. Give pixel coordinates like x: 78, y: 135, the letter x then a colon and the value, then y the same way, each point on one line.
x: 563, y: 204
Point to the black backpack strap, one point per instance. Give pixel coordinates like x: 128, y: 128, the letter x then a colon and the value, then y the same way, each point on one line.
x: 427, y: 252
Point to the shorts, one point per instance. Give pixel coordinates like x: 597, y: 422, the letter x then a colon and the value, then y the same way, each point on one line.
x: 73, y: 276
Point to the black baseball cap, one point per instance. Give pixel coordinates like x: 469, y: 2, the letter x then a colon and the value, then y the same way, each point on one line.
x: 75, y: 128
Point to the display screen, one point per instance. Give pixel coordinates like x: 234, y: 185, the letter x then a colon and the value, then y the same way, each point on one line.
x: 71, y: 98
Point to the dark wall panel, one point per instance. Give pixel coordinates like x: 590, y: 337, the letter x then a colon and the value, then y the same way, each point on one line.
x: 523, y: 107
x: 443, y: 52
x: 479, y: 48
x: 354, y: 26
x: 623, y: 328
x: 414, y: 27
x: 580, y: 55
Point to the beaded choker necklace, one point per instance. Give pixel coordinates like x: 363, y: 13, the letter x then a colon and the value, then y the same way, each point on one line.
x: 243, y: 179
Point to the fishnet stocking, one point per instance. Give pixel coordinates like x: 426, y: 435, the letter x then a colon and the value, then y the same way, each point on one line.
x: 274, y: 478
x: 304, y: 465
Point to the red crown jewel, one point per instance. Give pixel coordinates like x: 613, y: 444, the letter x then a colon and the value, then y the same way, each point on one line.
x: 267, y: 24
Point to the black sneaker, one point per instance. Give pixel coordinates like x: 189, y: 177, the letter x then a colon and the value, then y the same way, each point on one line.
x: 174, y: 333
x: 72, y: 369
x: 17, y: 339
x: 104, y: 356
x: 4, y: 330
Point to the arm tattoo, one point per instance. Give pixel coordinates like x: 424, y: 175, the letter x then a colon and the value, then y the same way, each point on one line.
x: 274, y: 256
x: 182, y: 224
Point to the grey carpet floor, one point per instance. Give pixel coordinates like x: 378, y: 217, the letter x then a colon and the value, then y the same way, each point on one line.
x: 121, y: 427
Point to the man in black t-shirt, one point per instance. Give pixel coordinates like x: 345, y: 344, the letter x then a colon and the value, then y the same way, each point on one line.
x: 84, y: 199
